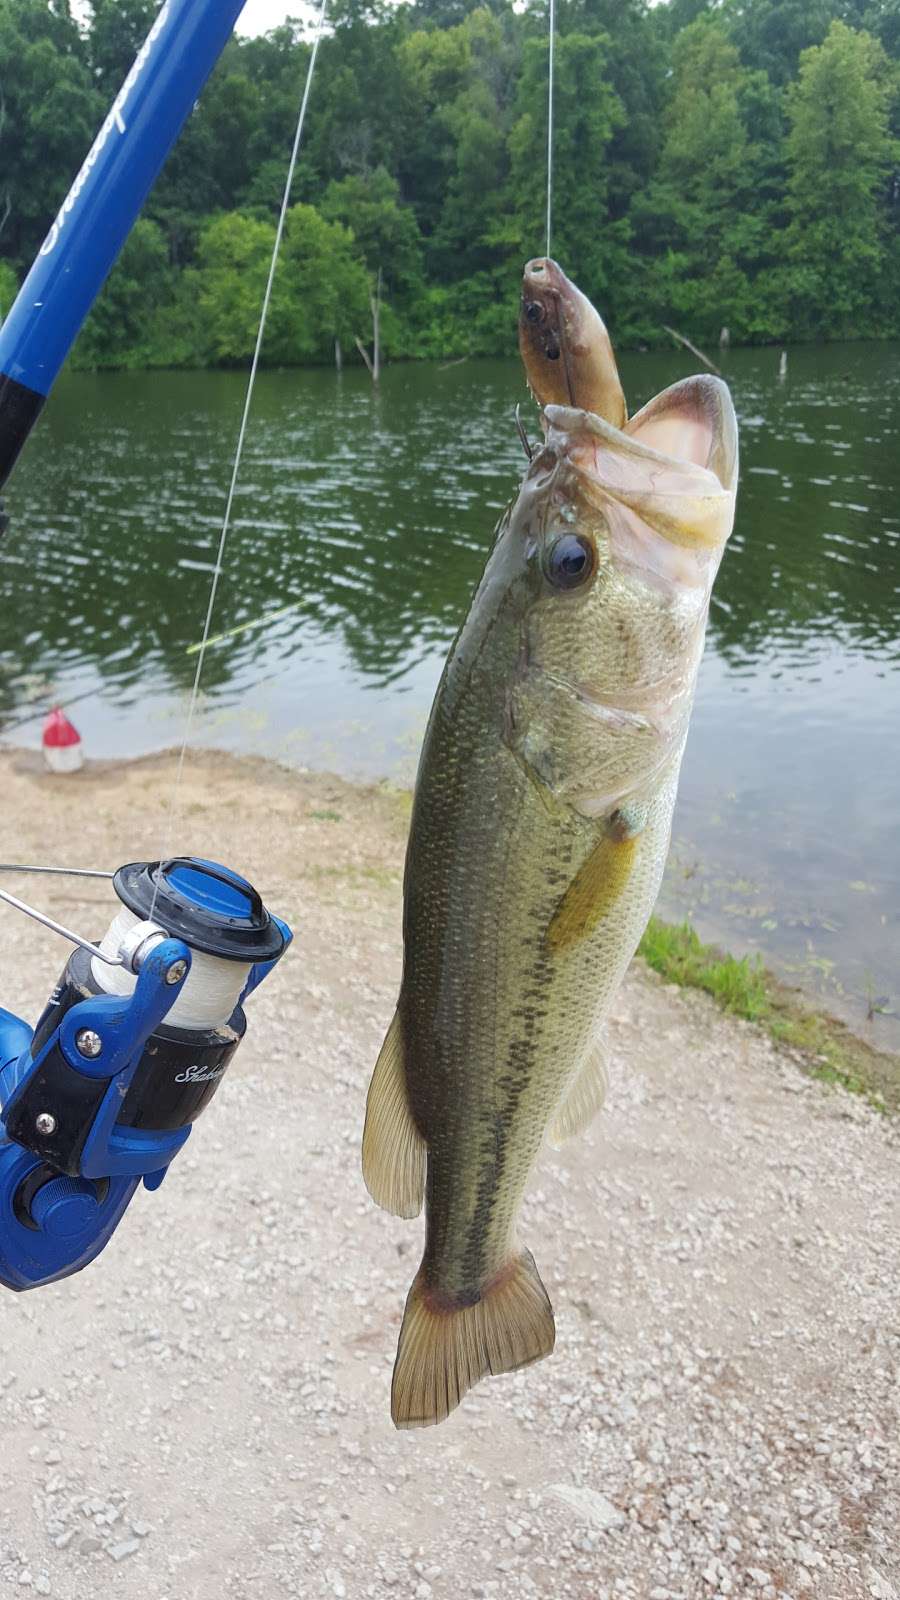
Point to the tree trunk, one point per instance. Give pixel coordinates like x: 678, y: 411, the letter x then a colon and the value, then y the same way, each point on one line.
x: 375, y: 301
x: 366, y: 357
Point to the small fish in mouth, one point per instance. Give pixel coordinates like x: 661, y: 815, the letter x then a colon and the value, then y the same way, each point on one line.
x: 540, y: 829
x: 565, y: 347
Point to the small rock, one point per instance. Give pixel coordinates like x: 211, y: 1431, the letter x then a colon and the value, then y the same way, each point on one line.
x: 593, y: 1507
x: 126, y: 1547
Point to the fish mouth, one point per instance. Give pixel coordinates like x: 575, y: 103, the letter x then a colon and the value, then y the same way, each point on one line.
x: 672, y: 469
x: 692, y: 421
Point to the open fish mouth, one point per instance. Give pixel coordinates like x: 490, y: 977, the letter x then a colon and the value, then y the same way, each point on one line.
x: 666, y: 483
x: 672, y: 467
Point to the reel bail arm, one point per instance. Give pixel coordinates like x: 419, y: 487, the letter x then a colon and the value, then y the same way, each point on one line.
x: 104, y: 1092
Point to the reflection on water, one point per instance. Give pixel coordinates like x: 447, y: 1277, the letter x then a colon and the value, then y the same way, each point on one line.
x: 360, y: 527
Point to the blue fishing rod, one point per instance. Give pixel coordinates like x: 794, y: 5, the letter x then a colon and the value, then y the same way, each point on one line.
x: 135, y: 1038
x: 95, y: 218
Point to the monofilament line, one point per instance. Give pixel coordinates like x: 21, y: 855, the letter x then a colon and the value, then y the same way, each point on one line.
x: 239, y: 450
x: 550, y: 67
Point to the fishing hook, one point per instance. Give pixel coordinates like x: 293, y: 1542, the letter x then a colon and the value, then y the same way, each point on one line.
x: 527, y: 446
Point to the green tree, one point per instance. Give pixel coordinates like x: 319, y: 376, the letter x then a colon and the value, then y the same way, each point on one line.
x: 386, y: 232
x: 587, y: 113
x: 771, y: 34
x: 708, y: 222
x: 9, y: 288
x: 117, y: 31
x: 320, y: 293
x: 716, y: 161
x: 437, y: 72
x: 323, y: 292
x: 358, y: 114
x: 635, y: 66
x: 840, y: 152
x: 476, y: 121
x: 49, y: 114
x: 123, y: 328
x: 227, y: 285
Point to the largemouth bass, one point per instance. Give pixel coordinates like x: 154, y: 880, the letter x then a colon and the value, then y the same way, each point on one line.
x: 539, y: 832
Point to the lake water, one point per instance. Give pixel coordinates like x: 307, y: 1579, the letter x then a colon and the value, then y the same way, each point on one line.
x: 361, y: 525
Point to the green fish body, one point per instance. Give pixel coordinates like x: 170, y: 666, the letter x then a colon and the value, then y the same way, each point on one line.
x: 539, y: 834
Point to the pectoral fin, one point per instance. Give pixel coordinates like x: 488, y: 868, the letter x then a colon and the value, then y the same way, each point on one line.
x: 393, y: 1150
x: 596, y: 887
x: 585, y: 1096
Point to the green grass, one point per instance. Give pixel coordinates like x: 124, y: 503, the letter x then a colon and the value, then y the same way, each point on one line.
x: 745, y: 988
x: 676, y: 951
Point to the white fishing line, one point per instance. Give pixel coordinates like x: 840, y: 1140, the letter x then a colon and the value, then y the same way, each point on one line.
x: 209, y: 993
x: 550, y: 74
x: 239, y: 450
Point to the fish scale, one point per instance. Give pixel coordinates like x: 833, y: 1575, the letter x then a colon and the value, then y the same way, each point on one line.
x: 538, y: 838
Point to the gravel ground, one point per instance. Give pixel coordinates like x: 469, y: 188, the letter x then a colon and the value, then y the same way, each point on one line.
x: 205, y: 1413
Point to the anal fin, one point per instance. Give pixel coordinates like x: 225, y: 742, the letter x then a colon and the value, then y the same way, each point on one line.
x: 585, y: 1095
x: 393, y: 1150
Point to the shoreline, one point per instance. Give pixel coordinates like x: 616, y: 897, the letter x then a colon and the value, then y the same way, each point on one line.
x: 449, y: 359
x: 744, y: 988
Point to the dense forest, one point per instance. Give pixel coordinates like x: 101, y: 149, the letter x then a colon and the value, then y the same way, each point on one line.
x: 717, y: 162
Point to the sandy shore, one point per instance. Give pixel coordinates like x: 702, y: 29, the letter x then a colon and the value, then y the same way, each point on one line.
x: 204, y: 1413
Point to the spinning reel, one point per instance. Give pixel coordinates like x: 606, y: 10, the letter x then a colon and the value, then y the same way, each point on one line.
x: 129, y: 1050
x: 139, y: 1030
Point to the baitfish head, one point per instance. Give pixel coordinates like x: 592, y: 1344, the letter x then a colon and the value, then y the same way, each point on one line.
x: 608, y: 557
x: 566, y: 349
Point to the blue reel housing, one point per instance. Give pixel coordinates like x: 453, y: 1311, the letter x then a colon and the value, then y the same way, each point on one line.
x: 102, y: 1094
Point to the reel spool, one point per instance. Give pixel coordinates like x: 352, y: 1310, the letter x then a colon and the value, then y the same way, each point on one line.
x: 129, y: 1050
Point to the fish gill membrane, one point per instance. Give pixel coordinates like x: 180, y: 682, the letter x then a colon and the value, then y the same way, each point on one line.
x: 539, y: 833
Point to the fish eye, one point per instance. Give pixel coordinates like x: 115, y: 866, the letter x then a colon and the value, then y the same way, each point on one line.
x: 534, y: 311
x: 570, y: 561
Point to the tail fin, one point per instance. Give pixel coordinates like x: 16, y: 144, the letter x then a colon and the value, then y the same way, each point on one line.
x: 443, y: 1351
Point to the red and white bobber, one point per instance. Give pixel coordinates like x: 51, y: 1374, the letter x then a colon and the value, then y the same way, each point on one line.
x: 62, y: 743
